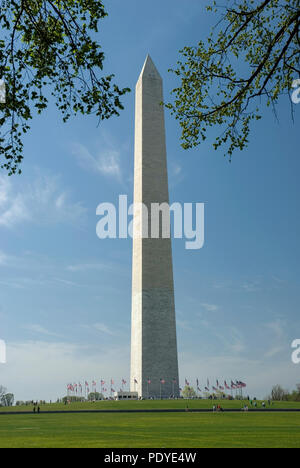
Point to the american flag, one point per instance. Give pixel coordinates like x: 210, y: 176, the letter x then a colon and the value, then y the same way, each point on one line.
x: 226, y: 386
x: 162, y: 381
x: 123, y: 382
x: 135, y: 381
x: 149, y: 381
x: 187, y: 383
x: 215, y: 389
x: 102, y: 382
x: 86, y: 384
x: 241, y: 384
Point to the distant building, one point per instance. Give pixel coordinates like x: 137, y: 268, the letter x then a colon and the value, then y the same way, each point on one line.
x: 126, y: 395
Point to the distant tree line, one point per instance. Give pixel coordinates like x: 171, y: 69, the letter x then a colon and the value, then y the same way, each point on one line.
x: 278, y: 393
x: 6, y: 399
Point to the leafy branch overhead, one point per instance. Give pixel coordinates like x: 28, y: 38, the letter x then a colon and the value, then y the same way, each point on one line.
x: 251, y: 55
x: 47, y: 48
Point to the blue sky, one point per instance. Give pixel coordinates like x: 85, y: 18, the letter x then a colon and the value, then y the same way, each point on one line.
x: 65, y: 295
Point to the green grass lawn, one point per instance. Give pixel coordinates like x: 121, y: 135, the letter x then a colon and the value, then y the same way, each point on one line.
x: 151, y: 430
x: 150, y: 404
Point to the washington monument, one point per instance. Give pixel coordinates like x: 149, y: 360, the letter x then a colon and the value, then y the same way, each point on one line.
x: 154, y: 360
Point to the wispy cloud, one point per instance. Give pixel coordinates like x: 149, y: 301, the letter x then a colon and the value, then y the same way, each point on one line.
x: 67, y: 282
x: 39, y: 330
x: 105, y: 162
x: 12, y: 284
x: 65, y: 362
x: 209, y: 307
x: 101, y: 327
x: 42, y: 202
x: 108, y: 267
x: 230, y: 337
x: 251, y: 286
x: 175, y: 174
x: 13, y: 209
x: 3, y: 258
x: 277, y: 327
x: 277, y: 340
x: 82, y: 267
x: 274, y: 351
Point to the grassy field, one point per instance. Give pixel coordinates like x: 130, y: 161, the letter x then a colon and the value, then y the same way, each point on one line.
x: 151, y: 430
x: 151, y: 404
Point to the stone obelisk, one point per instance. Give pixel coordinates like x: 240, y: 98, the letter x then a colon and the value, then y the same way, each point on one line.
x: 154, y: 360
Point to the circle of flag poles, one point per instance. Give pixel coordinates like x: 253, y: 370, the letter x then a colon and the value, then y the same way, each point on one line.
x: 237, y: 386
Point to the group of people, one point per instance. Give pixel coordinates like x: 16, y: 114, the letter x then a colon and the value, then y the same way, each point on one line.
x: 263, y: 404
x: 217, y: 408
x: 253, y: 403
x: 36, y: 408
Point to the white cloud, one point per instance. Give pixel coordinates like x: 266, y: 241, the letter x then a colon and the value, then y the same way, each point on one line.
x: 89, y: 266
x: 43, y: 202
x: 209, y: 307
x: 105, y: 162
x: 175, y: 174
x: 12, y: 284
x: 13, y: 210
x: 103, y: 329
x: 4, y: 189
x: 229, y: 337
x: 177, y: 169
x: 277, y: 327
x: 275, y: 350
x: 108, y: 267
x: 3, y: 258
x: 41, y: 370
x: 278, y: 341
x: 39, y: 330
x: 251, y: 286
x: 67, y: 282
